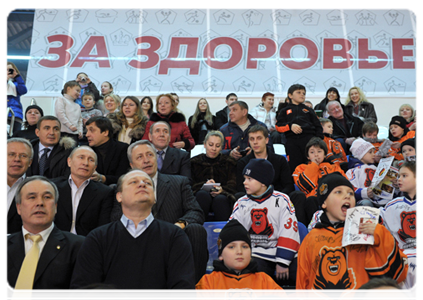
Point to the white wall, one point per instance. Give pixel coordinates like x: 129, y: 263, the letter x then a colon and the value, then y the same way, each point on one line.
x: 385, y: 107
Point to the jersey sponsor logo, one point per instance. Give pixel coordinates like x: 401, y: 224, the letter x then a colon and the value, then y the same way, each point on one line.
x: 288, y: 111
x: 333, y: 272
x: 260, y: 223
x: 305, y: 110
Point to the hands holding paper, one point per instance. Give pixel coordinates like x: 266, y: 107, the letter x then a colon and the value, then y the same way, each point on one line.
x: 217, y: 189
x: 367, y: 228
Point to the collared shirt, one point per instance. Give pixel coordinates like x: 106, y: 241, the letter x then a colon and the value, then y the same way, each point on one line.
x: 11, y: 191
x: 76, y: 197
x: 41, y: 150
x: 44, y: 236
x: 141, y: 227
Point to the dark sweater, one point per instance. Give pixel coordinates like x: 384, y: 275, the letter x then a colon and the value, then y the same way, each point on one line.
x: 160, y: 258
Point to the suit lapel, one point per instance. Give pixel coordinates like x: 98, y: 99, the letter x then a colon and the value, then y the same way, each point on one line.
x: 169, y: 158
x: 17, y: 247
x: 50, y: 159
x: 110, y: 157
x: 54, y: 245
x: 65, y: 197
x: 162, y: 190
x: 12, y: 210
x: 86, y: 198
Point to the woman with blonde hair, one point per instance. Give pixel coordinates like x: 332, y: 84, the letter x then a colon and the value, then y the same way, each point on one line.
x: 201, y: 122
x: 357, y: 105
x: 111, y: 104
x: 409, y: 114
x: 129, y: 122
x: 180, y: 136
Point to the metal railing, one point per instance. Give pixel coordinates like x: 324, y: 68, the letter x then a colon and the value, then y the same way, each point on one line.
x: 12, y: 120
x: 33, y: 102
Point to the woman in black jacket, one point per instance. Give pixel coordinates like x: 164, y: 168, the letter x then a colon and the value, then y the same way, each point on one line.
x: 201, y: 122
x: 332, y: 94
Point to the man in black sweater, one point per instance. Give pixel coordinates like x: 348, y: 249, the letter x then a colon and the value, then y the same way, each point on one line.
x: 138, y: 251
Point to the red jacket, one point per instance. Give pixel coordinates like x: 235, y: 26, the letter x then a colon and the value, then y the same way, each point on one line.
x: 179, y: 129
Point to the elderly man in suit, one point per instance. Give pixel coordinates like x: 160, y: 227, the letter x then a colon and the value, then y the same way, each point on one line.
x: 84, y: 204
x: 175, y: 201
x: 40, y: 256
x: 19, y: 158
x: 50, y: 151
x: 170, y: 160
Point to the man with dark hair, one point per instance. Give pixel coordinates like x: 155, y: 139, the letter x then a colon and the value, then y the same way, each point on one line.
x: 173, y: 161
x: 236, y: 130
x: 84, y: 204
x: 222, y: 116
x: 111, y: 154
x: 138, y: 251
x: 50, y: 151
x: 40, y: 256
x: 380, y: 289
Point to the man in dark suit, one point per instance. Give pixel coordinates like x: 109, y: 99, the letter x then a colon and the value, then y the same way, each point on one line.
x: 19, y: 158
x: 84, y: 204
x: 50, y: 151
x: 174, y: 161
x: 111, y: 154
x: 222, y: 116
x: 175, y: 201
x: 36, y: 202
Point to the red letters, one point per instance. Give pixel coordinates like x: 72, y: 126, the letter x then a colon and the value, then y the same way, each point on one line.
x: 253, y: 51
x: 364, y: 56
x: 339, y: 58
x: 216, y: 63
x: 174, y: 61
x: 62, y: 51
x: 299, y: 63
x: 152, y: 56
x: 398, y: 53
x: 101, y: 57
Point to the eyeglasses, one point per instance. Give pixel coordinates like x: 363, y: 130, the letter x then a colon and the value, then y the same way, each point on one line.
x: 21, y: 156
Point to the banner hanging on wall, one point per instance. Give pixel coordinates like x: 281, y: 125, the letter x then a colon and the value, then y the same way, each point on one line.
x: 202, y: 52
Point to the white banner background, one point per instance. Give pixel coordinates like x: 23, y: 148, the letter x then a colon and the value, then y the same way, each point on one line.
x: 120, y: 28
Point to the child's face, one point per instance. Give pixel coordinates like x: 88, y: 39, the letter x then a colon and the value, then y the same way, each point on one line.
x: 407, y: 181
x: 327, y: 127
x: 74, y: 91
x: 396, y: 131
x: 253, y: 187
x: 369, y: 157
x: 297, y: 96
x: 371, y: 135
x: 88, y: 102
x: 316, y: 154
x: 339, y: 200
x: 236, y: 255
x: 408, y: 151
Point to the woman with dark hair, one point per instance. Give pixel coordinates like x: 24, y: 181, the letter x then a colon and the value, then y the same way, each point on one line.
x: 15, y: 89
x: 106, y: 89
x: 201, y: 122
x: 129, y: 122
x: 32, y: 114
x: 147, y: 106
x: 214, y: 167
x: 331, y: 95
x: 180, y: 136
x: 358, y: 105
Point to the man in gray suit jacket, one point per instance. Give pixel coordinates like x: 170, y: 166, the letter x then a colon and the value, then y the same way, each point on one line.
x: 175, y: 201
x: 36, y: 202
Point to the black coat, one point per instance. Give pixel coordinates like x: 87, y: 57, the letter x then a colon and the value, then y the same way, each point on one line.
x: 197, y: 133
x: 354, y: 125
x: 14, y: 221
x: 221, y: 117
x: 176, y: 162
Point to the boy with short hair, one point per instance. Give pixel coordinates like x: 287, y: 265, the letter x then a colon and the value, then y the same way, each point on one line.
x: 299, y: 123
x: 408, y: 149
x: 269, y: 216
x: 336, y: 153
x: 399, y: 217
x: 306, y: 176
x: 235, y: 268
x: 323, y: 263
x: 88, y: 112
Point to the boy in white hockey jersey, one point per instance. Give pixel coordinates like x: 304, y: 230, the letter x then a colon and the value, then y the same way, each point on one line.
x: 399, y: 217
x: 269, y: 216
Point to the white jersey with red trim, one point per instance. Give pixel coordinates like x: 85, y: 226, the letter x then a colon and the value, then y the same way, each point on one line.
x: 272, y: 225
x: 399, y: 217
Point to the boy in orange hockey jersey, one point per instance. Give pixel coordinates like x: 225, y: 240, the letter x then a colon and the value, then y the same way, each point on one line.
x: 235, y: 269
x: 336, y: 153
x: 398, y: 133
x: 323, y: 263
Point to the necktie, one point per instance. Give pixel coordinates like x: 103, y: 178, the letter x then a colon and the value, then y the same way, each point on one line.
x: 29, y: 266
x: 43, y: 160
x: 160, y: 159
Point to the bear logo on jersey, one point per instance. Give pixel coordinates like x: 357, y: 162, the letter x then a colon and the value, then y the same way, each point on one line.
x: 260, y: 224
x: 408, y: 226
x: 333, y: 270
x: 240, y: 294
x: 370, y: 173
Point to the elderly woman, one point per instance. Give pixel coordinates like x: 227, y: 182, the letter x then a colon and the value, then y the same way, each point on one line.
x: 166, y: 111
x: 409, y: 114
x: 128, y: 123
x: 32, y: 114
x: 358, y: 105
x: 214, y: 167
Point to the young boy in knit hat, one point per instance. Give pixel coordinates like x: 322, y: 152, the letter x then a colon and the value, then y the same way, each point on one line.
x: 408, y: 149
x: 398, y: 133
x: 269, y: 217
x: 323, y: 263
x: 235, y: 269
